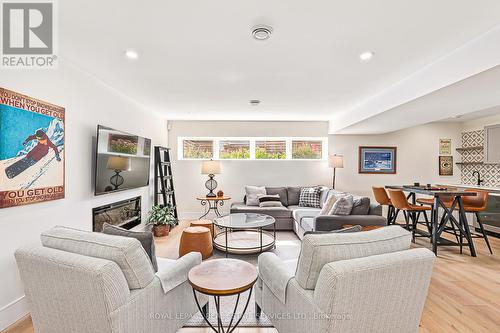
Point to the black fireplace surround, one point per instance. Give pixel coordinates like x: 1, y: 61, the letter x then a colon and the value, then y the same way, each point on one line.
x: 125, y: 214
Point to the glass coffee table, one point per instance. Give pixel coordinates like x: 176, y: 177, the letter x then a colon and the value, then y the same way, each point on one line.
x: 243, y: 233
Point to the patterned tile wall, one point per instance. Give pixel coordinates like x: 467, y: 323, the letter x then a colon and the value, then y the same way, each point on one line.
x: 489, y: 173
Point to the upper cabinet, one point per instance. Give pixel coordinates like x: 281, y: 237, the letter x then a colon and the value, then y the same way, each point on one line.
x: 492, y: 144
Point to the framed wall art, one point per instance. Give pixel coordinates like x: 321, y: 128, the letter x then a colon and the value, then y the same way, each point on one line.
x: 377, y: 160
x: 446, y: 165
x: 32, y: 150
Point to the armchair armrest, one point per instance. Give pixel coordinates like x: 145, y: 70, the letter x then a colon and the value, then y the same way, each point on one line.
x: 275, y: 274
x: 172, y: 273
x: 335, y: 222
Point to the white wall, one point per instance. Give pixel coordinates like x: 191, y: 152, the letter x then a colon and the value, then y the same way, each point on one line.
x: 189, y: 182
x: 417, y: 156
x: 478, y: 124
x: 88, y: 102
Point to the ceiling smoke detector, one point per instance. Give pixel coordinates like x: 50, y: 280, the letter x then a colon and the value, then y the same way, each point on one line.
x: 254, y: 102
x: 262, y: 32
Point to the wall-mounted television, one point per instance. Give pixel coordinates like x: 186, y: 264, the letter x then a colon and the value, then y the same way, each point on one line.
x: 122, y: 161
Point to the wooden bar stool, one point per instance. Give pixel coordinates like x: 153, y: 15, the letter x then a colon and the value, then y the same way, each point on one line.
x: 475, y: 205
x: 383, y: 199
x: 400, y: 202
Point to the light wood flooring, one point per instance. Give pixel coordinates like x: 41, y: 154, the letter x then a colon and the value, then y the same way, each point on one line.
x: 464, y: 294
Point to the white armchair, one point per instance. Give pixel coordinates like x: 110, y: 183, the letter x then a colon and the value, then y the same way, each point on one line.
x: 356, y: 282
x: 80, y: 282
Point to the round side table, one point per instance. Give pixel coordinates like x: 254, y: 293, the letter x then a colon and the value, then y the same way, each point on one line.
x: 223, y: 277
x: 212, y: 203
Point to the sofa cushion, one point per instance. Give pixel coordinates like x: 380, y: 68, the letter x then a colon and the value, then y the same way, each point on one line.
x: 347, y: 229
x: 310, y: 196
x: 277, y: 212
x: 252, y: 194
x: 324, y: 196
x: 126, y: 252
x: 342, y: 206
x: 145, y: 237
x: 298, y: 212
x: 281, y: 191
x: 361, y: 206
x: 320, y: 249
x: 293, y: 195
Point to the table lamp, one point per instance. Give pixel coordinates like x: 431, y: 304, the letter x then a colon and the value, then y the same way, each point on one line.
x: 118, y: 164
x: 335, y: 161
x: 210, y: 168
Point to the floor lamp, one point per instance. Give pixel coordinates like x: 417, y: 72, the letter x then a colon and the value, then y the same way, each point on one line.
x: 335, y: 162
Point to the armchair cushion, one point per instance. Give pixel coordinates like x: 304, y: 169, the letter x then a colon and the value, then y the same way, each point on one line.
x: 318, y: 250
x: 275, y: 274
x: 172, y: 273
x: 126, y: 252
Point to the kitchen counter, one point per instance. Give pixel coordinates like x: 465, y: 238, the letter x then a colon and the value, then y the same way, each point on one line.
x: 492, y: 190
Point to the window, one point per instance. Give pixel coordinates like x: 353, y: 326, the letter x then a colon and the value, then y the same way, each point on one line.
x: 272, y: 150
x: 234, y: 149
x: 253, y: 148
x: 305, y: 149
x: 199, y: 149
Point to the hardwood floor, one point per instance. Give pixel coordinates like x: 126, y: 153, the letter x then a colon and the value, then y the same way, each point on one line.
x: 464, y: 295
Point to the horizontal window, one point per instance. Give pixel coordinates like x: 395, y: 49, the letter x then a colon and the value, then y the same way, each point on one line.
x: 199, y: 149
x: 270, y: 150
x: 252, y: 148
x: 234, y: 150
x: 305, y: 149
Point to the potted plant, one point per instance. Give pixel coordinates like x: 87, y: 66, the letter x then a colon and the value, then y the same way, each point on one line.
x: 161, y: 217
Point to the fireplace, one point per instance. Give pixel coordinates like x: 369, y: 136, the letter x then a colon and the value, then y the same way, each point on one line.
x: 125, y: 214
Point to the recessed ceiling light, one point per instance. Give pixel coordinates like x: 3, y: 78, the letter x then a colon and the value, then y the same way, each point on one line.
x: 365, y: 56
x: 262, y: 32
x: 254, y: 102
x: 131, y: 54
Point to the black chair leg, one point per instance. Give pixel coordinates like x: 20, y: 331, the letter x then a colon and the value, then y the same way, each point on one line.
x: 407, y: 220
x: 485, y: 236
x: 389, y: 215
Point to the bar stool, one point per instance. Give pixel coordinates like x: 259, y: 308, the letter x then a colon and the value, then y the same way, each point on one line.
x: 400, y: 202
x: 475, y: 205
x: 383, y: 199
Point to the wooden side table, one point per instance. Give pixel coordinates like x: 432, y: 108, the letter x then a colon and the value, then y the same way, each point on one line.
x: 223, y: 277
x: 212, y: 203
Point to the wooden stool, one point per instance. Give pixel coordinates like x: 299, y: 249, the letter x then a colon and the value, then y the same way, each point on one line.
x: 204, y: 223
x: 363, y: 228
x: 196, y: 239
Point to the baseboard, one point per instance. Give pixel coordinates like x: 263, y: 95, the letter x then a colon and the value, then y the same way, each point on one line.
x: 12, y: 312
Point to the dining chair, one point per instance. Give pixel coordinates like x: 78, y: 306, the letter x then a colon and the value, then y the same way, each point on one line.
x: 410, y: 211
x: 475, y: 205
x: 383, y: 199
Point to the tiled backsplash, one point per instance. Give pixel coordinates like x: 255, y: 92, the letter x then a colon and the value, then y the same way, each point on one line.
x: 490, y: 173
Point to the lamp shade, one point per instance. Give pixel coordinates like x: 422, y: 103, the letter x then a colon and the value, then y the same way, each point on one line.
x: 118, y: 163
x: 210, y: 167
x: 336, y: 161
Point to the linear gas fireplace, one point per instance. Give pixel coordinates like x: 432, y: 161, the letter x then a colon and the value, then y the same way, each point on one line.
x: 125, y: 214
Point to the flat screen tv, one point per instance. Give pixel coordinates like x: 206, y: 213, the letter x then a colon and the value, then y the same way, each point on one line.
x: 122, y: 161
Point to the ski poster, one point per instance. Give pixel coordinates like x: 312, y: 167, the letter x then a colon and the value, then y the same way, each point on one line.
x: 31, y: 150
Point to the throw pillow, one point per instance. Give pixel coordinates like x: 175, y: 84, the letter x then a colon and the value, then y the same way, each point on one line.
x: 361, y: 206
x: 310, y: 197
x: 268, y: 197
x: 328, y: 205
x: 252, y: 193
x: 355, y: 228
x: 271, y: 204
x: 145, y: 237
x: 342, y: 206
x: 282, y: 193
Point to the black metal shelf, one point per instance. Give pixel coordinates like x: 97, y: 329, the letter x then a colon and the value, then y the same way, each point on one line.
x: 462, y: 149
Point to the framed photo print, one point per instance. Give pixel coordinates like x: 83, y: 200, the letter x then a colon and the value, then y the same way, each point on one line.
x: 446, y: 165
x: 377, y: 160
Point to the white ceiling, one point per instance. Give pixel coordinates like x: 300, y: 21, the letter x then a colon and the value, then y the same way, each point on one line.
x: 198, y: 60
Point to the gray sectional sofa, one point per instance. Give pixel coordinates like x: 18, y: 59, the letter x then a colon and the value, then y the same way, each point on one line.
x: 302, y: 219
